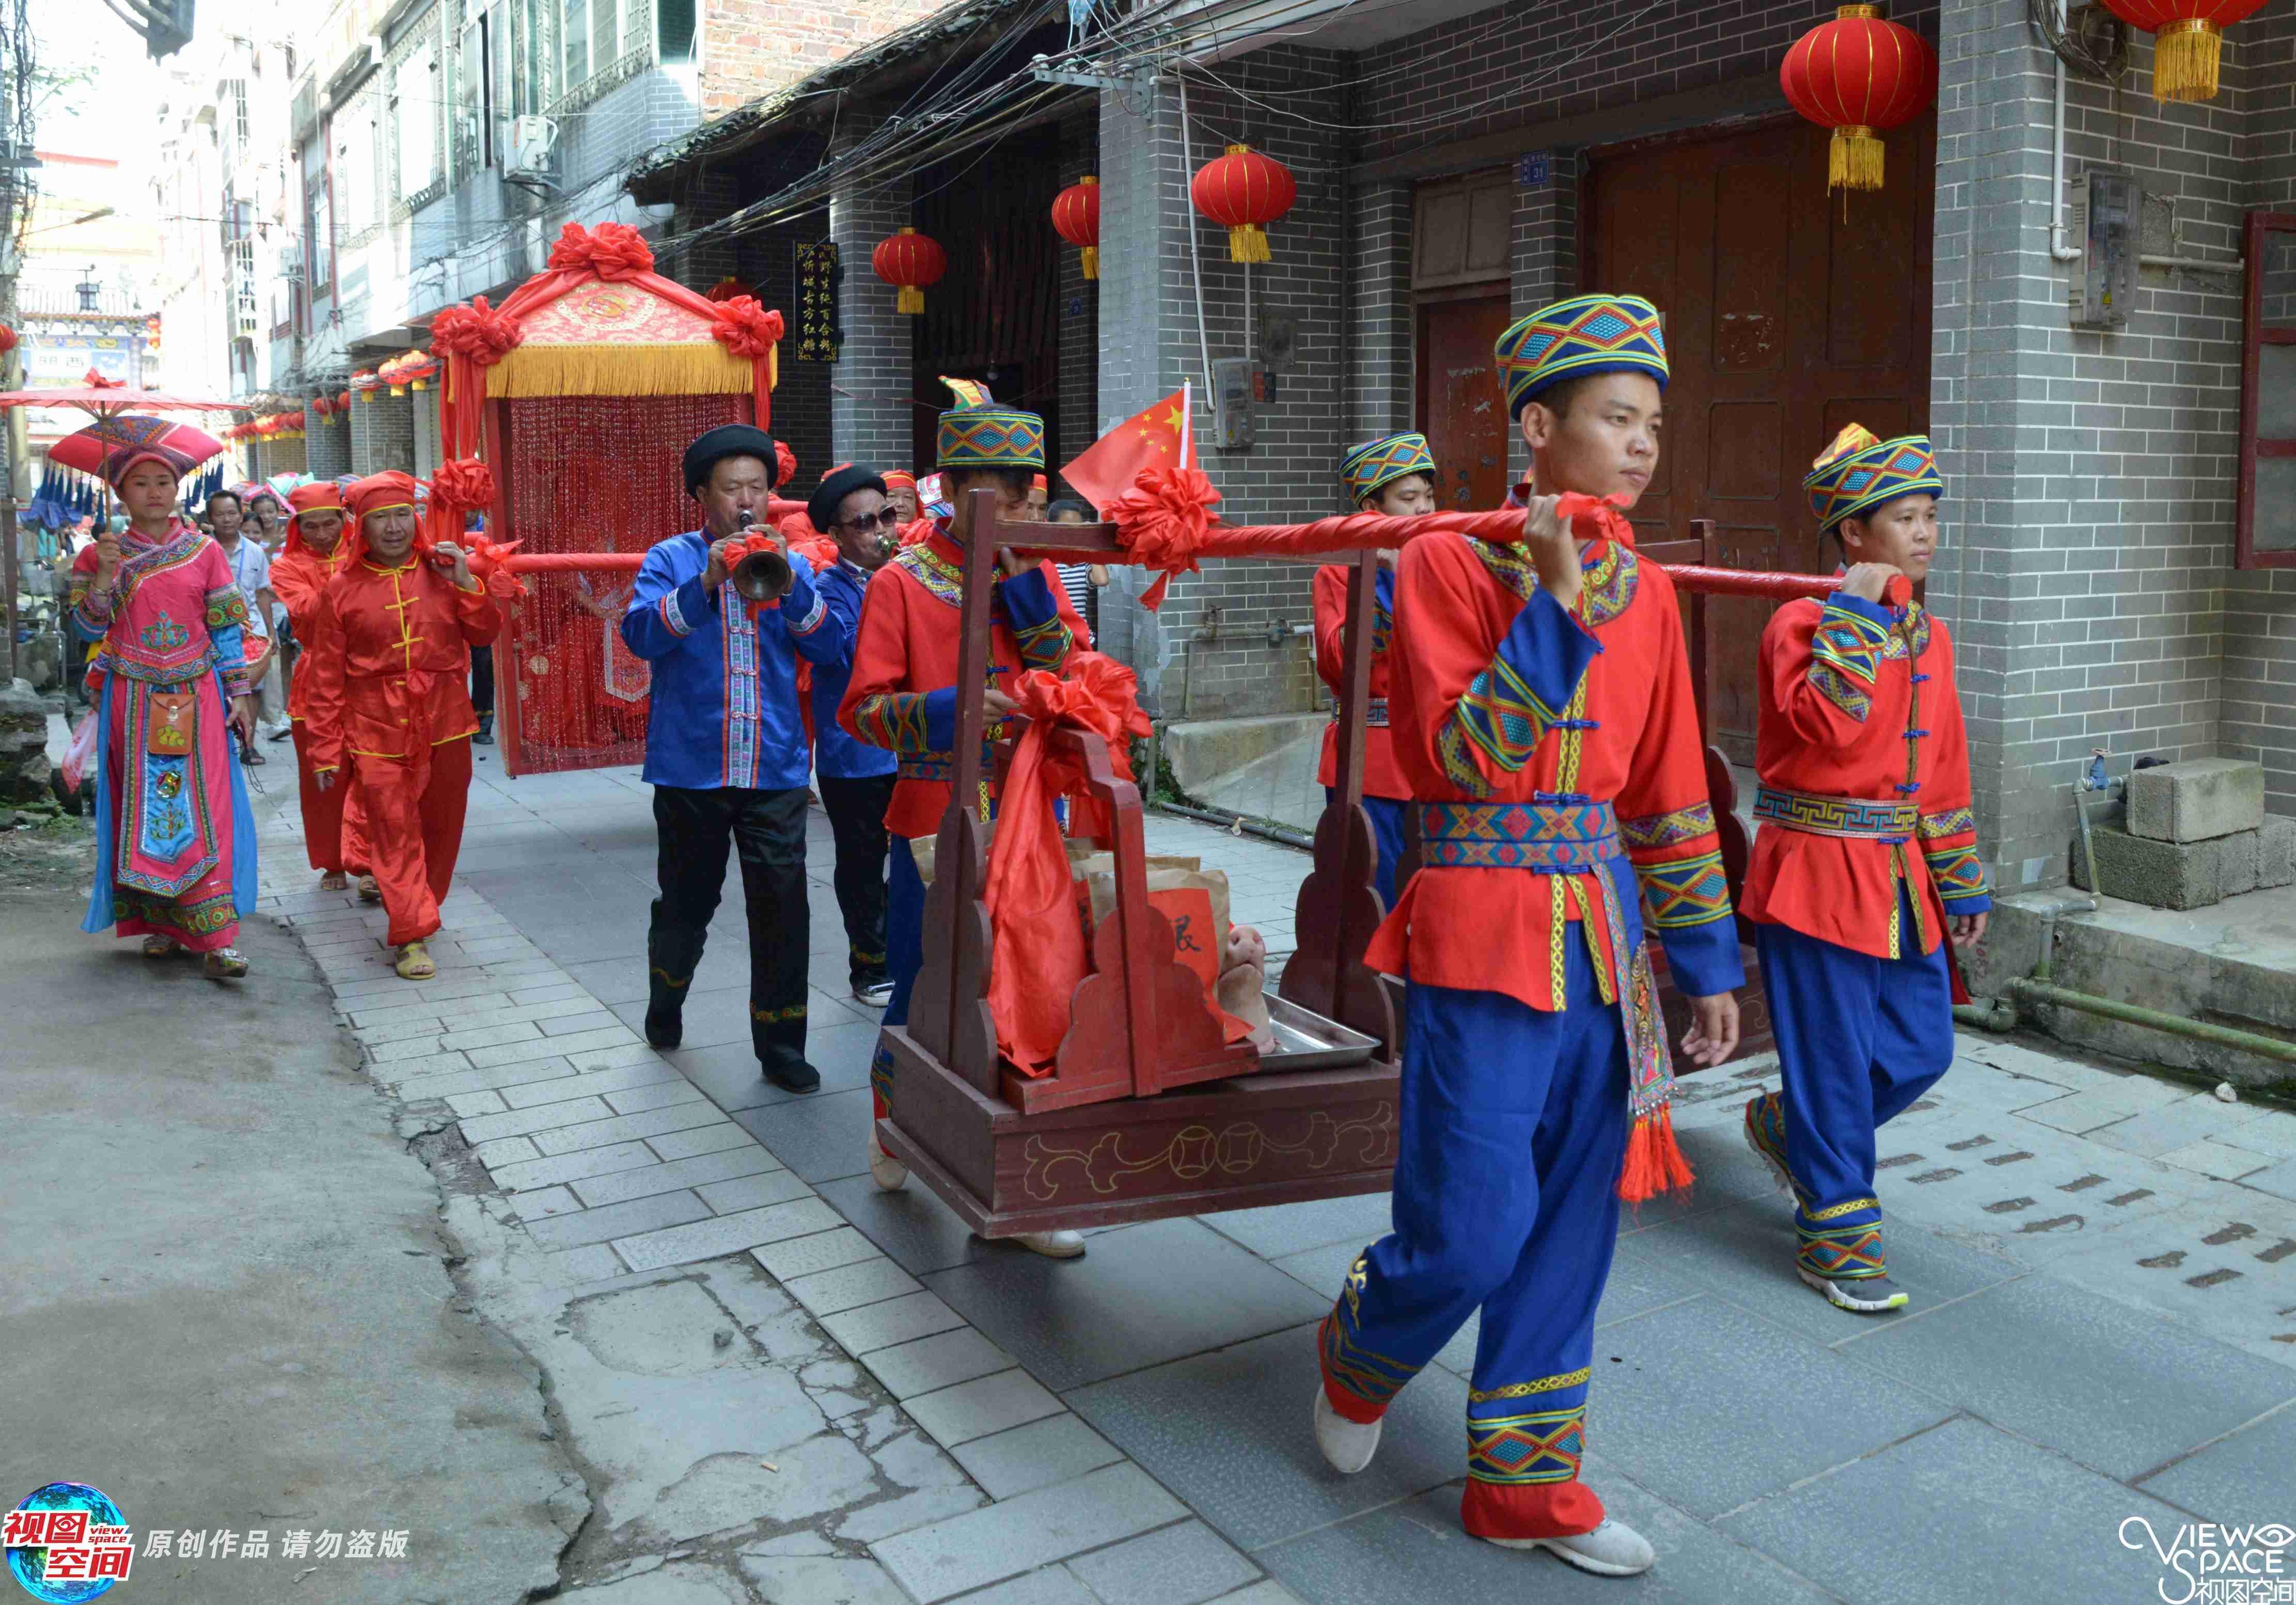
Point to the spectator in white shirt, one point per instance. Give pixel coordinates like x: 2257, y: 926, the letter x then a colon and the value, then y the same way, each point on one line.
x: 228, y: 515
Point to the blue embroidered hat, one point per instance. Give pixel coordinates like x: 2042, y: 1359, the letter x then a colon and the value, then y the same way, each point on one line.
x: 978, y: 433
x: 1375, y: 464
x: 1857, y: 474
x: 1585, y: 334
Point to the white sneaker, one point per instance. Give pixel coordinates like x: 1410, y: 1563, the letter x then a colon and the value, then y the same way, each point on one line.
x: 1348, y: 1445
x: 1053, y: 1245
x: 1613, y: 1549
x: 888, y: 1173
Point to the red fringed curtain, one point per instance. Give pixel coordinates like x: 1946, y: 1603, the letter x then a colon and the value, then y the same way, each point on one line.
x: 590, y: 474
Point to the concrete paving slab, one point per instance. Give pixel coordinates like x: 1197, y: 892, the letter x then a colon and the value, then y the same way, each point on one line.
x: 1964, y: 1514
x: 725, y: 1234
x: 850, y: 1287
x: 1230, y: 1432
x: 1050, y: 1450
x: 1074, y: 1322
x: 1292, y: 1228
x: 2001, y: 1355
x: 616, y: 1186
x: 821, y: 1137
x: 992, y: 1404
x: 1026, y: 1531
x: 1183, y: 1565
x: 2241, y: 1479
x: 696, y: 1141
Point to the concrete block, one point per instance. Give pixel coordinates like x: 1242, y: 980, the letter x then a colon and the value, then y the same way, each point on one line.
x: 2275, y: 851
x: 2196, y: 801
x: 2169, y: 875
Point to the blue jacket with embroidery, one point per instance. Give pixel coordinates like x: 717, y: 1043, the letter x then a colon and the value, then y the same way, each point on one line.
x: 725, y: 685
x: 836, y: 754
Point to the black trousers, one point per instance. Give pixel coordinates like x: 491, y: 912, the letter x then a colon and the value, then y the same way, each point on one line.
x: 767, y: 830
x: 856, y: 819
x: 482, y: 679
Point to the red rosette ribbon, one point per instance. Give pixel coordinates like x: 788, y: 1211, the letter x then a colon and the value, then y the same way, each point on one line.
x: 784, y: 463
x: 1162, y: 521
x: 1039, y: 954
x: 1604, y: 514
x: 612, y: 251
x: 490, y: 565
x: 746, y: 328
x: 477, y: 333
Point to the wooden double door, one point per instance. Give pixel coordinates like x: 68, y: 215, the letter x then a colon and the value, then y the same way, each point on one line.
x: 1787, y: 316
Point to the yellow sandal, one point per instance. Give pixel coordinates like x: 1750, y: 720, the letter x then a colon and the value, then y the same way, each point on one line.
x: 370, y: 889
x: 334, y: 880
x: 415, y: 963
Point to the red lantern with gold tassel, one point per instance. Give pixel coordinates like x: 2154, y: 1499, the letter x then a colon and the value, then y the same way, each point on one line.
x: 2187, y: 41
x: 910, y: 262
x: 1860, y: 75
x: 1246, y: 191
x: 1075, y: 219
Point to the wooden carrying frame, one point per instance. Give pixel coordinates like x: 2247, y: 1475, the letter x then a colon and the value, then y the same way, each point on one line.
x: 1147, y: 1112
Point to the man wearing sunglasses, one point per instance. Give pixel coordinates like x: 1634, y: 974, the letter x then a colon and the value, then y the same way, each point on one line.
x: 855, y: 779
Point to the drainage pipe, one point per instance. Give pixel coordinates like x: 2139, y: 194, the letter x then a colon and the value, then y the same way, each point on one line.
x: 2040, y: 991
x: 1226, y: 820
x: 1988, y: 1013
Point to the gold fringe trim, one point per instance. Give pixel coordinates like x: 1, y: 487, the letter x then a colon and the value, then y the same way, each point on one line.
x: 1248, y: 242
x: 1092, y: 261
x: 911, y: 299
x: 695, y: 367
x: 2185, y: 54
x: 1853, y: 159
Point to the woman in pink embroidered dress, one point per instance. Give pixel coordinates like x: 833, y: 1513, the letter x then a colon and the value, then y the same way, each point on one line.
x: 175, y: 836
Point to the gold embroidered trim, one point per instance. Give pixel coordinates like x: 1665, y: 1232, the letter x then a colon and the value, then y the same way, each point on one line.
x: 1834, y: 1212
x: 1523, y: 1390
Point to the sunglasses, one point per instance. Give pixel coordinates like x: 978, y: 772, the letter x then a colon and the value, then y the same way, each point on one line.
x: 887, y: 518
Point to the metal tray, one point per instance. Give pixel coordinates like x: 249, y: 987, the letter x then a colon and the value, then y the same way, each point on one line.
x: 1306, y: 1041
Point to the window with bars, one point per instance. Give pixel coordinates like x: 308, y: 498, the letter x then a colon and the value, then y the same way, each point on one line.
x: 318, y: 220
x: 415, y: 120
x: 2264, y: 526
x: 473, y: 99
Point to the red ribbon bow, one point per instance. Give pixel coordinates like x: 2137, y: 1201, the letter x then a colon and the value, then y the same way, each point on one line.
x: 477, y: 333
x: 612, y: 251
x: 746, y: 328
x: 462, y: 483
x: 490, y: 564
x: 1605, y: 512
x: 1162, y: 521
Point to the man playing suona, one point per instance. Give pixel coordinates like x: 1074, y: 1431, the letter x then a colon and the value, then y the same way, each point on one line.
x: 314, y: 554
x: 389, y: 695
x: 1394, y: 475
x: 855, y: 778
x: 725, y: 750
x: 903, y: 694
x: 1541, y: 710
x: 1862, y: 755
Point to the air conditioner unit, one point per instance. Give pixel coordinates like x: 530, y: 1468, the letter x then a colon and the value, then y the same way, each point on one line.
x: 532, y: 140
x: 291, y: 262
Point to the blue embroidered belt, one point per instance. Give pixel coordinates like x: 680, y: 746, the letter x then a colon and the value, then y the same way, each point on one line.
x: 1374, y: 714
x: 1557, y: 837
x: 941, y: 767
x: 1852, y: 817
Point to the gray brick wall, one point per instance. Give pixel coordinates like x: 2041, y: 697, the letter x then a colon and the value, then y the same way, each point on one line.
x: 872, y: 384
x: 383, y: 432
x: 326, y: 443
x: 1078, y: 423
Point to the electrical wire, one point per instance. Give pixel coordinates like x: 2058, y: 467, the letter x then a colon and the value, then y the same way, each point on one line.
x: 2074, y: 45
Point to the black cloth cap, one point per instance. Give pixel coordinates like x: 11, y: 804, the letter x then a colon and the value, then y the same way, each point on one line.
x: 841, y: 484
x: 728, y: 440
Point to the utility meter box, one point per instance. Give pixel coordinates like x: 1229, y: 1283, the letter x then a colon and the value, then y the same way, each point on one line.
x: 1240, y: 385
x: 2107, y: 217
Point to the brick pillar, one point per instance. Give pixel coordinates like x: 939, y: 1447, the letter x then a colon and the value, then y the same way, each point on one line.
x: 874, y: 379
x: 383, y: 433
x: 1385, y: 336
x: 1078, y: 424
x: 327, y: 444
x: 1545, y: 259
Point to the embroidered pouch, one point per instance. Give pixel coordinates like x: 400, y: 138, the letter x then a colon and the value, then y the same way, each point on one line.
x: 170, y: 730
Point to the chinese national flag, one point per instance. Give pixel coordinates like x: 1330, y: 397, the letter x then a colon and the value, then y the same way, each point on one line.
x: 1162, y: 436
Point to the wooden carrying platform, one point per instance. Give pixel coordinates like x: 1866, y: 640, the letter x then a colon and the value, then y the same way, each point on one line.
x: 1147, y: 1114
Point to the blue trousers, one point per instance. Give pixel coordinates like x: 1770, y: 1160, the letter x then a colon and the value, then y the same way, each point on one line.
x: 1386, y: 838
x: 1513, y: 1128
x: 1860, y: 1037
x: 904, y: 931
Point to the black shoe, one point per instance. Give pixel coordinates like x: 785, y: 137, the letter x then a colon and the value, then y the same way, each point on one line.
x: 790, y: 1075
x: 486, y: 737
x: 664, y: 1027
x: 874, y: 988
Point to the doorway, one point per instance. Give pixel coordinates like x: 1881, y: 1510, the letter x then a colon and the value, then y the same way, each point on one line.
x: 1787, y: 316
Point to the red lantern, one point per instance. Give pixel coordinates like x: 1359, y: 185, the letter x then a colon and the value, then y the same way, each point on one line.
x: 1858, y: 76
x: 726, y: 288
x: 343, y: 401
x: 7, y: 340
x: 910, y: 261
x: 1075, y: 219
x: 2188, y: 40
x: 1246, y: 190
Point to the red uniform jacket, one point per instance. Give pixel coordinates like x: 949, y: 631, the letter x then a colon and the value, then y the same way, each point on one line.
x: 1489, y: 707
x: 1381, y: 775
x: 1859, y: 702
x: 297, y: 578
x: 903, y: 692
x: 397, y: 676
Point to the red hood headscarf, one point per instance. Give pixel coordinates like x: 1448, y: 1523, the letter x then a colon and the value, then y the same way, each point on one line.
x: 374, y: 493
x: 324, y: 495
x: 898, y: 479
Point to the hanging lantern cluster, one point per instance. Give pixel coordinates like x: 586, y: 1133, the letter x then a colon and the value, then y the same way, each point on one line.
x: 1245, y: 191
x: 1075, y: 219
x: 364, y: 383
x: 324, y: 407
x: 911, y: 262
x: 2187, y: 41
x: 1860, y: 75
